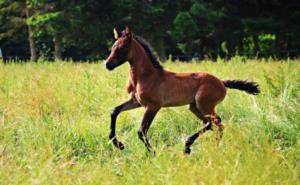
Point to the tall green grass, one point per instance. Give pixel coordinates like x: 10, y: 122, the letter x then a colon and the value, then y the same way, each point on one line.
x: 54, y: 125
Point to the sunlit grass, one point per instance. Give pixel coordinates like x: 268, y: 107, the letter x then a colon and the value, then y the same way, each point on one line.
x: 54, y: 125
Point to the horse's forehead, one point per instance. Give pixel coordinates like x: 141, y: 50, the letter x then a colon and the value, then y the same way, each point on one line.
x: 116, y: 44
x: 120, y: 42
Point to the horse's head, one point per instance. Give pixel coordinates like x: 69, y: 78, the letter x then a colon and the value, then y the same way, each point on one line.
x: 120, y: 49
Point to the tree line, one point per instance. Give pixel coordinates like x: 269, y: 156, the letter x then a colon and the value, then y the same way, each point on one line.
x: 60, y: 29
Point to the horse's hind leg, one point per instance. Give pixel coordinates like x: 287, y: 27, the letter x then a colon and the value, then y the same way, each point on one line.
x: 206, y: 127
x: 193, y: 137
x: 206, y: 113
x: 130, y: 104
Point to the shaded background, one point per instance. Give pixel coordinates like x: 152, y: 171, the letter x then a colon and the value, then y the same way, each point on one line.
x: 185, y: 29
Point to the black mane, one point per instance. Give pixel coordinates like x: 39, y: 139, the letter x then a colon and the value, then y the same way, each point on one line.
x: 149, y: 50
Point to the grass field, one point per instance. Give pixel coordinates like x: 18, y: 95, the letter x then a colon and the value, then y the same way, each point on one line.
x: 54, y: 126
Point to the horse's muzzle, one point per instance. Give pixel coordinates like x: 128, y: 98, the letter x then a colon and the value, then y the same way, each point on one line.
x: 109, y: 65
x: 113, y: 63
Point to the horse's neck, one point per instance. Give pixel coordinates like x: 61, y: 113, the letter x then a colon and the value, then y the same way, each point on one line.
x: 140, y: 64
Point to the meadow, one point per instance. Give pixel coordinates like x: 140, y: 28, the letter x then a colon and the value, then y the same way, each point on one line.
x: 55, y: 116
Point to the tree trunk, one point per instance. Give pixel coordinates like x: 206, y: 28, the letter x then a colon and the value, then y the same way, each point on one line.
x: 230, y: 48
x: 57, y: 47
x: 33, y: 54
x: 256, y: 46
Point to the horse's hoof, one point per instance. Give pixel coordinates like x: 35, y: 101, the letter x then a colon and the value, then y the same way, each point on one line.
x: 121, y: 146
x: 118, y: 144
x: 187, y: 151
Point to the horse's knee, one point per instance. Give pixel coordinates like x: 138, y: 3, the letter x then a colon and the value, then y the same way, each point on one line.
x: 114, y: 113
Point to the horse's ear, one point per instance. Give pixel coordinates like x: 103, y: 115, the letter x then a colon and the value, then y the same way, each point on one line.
x: 117, y: 33
x: 128, y: 32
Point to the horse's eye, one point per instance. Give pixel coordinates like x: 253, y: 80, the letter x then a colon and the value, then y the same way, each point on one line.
x: 123, y: 49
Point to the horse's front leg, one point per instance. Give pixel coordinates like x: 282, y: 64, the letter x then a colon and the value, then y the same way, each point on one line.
x: 130, y: 104
x: 146, y: 122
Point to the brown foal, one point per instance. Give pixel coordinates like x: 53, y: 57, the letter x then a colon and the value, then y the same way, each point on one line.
x: 152, y: 87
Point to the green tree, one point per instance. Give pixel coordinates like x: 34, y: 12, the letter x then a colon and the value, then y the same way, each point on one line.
x: 13, y: 15
x: 50, y: 18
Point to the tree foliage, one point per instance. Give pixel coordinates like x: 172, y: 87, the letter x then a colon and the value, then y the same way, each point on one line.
x: 82, y: 29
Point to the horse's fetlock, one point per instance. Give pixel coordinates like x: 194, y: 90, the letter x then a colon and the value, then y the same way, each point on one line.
x: 187, y: 150
x: 140, y: 134
x: 189, y: 141
x: 111, y: 136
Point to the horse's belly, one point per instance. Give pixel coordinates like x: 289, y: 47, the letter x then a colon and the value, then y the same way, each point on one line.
x: 179, y: 92
x: 178, y: 99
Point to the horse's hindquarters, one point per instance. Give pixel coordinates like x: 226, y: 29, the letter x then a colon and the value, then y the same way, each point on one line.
x: 211, y: 92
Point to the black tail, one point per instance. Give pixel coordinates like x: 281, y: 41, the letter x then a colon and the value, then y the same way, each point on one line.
x: 249, y: 87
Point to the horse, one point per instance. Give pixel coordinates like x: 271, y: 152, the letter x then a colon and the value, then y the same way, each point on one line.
x: 152, y: 87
